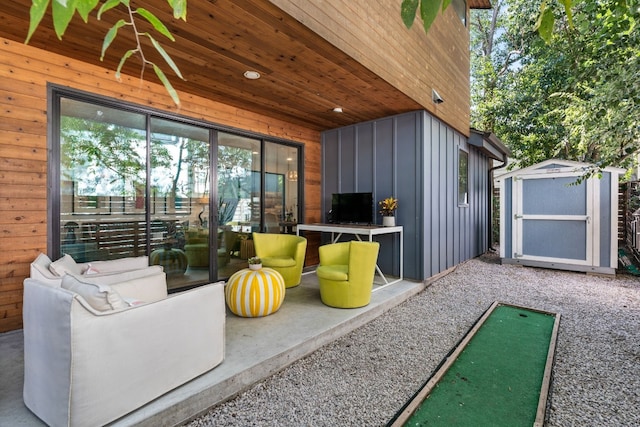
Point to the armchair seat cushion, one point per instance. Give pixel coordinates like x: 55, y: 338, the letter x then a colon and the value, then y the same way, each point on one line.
x: 278, y: 262
x: 284, y: 253
x: 338, y: 273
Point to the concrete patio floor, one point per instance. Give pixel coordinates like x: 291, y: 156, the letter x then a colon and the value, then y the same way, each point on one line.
x: 255, y: 349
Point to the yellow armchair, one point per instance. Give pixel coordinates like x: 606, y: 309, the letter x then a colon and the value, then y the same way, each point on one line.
x: 282, y: 252
x: 346, y: 273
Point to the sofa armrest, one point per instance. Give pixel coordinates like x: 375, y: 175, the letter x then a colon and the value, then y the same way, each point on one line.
x: 152, y: 349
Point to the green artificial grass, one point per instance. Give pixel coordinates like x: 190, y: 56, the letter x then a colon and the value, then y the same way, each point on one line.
x: 498, y: 377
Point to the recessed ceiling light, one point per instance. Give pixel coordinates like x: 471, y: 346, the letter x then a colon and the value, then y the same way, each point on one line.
x: 252, y: 75
x: 337, y: 110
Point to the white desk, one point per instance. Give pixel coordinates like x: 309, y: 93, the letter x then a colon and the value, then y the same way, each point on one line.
x: 337, y: 230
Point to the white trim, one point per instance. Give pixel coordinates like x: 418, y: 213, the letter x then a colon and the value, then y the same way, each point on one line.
x: 503, y: 220
x: 614, y: 221
x: 566, y: 166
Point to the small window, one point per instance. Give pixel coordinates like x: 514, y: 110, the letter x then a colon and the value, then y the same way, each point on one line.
x: 463, y: 177
x: 460, y: 6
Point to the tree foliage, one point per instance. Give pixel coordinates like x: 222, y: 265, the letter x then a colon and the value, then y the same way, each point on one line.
x: 63, y: 11
x: 574, y: 95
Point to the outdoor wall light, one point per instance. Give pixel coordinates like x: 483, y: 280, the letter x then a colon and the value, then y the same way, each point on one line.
x: 436, y: 97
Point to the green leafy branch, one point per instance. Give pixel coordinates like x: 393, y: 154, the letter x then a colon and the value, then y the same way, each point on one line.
x: 64, y: 10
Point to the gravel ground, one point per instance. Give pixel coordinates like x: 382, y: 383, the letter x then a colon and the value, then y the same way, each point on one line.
x: 364, y: 378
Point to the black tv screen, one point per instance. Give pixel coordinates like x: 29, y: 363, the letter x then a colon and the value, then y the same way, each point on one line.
x: 352, y: 208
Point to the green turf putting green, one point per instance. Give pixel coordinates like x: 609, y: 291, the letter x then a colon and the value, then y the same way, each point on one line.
x: 498, y: 375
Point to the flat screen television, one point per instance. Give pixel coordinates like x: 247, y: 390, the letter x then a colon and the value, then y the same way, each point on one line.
x: 352, y: 208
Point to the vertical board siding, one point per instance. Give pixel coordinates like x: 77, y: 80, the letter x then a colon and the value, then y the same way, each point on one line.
x: 415, y: 159
x: 24, y: 74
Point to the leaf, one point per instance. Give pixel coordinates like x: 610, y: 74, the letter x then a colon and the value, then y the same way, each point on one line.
x: 166, y: 56
x: 428, y: 12
x: 157, y: 24
x: 179, y: 9
x: 408, y: 12
x: 167, y: 84
x: 85, y: 7
x: 567, y: 10
x: 545, y: 23
x: 38, y: 9
x: 124, y: 58
x: 62, y: 14
x: 108, y: 5
x: 110, y: 36
x: 445, y: 4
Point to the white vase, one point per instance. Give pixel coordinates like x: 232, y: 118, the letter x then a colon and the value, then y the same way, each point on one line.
x: 388, y: 221
x: 255, y: 266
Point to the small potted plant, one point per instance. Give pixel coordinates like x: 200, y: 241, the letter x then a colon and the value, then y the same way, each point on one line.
x: 388, y: 207
x: 255, y: 263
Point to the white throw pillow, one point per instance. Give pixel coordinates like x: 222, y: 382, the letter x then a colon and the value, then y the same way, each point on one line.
x: 100, y: 297
x: 65, y: 265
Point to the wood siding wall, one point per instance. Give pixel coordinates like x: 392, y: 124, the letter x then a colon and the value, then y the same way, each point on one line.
x: 413, y: 157
x: 24, y: 74
x: 372, y: 33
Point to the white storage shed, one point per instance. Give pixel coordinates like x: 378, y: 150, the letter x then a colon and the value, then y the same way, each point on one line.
x: 549, y: 220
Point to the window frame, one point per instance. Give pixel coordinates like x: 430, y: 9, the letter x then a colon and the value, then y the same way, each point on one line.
x: 463, y: 202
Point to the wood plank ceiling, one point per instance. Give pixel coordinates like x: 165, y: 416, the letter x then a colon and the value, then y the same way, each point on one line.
x: 303, y: 76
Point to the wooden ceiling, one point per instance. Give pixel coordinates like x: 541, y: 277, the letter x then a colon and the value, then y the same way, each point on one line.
x: 303, y: 76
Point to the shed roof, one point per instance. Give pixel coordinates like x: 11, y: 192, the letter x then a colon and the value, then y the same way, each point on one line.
x: 560, y: 166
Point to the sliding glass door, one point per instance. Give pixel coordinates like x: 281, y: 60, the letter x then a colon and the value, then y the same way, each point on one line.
x: 179, y: 187
x: 238, y: 200
x: 128, y: 182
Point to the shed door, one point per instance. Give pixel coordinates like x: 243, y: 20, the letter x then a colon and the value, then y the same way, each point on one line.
x: 553, y: 219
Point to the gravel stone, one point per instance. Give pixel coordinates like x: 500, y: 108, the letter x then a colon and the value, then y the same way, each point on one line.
x: 365, y: 377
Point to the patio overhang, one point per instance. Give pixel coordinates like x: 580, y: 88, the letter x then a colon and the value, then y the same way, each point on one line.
x: 303, y: 77
x: 479, y: 4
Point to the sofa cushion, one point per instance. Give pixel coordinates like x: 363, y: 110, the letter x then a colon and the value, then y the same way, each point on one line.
x: 65, y: 265
x: 121, y: 264
x: 100, y: 297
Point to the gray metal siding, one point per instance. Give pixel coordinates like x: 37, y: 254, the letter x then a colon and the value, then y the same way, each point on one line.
x: 413, y: 157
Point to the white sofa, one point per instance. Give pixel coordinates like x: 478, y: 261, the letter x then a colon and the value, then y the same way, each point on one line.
x: 88, y: 365
x: 46, y: 271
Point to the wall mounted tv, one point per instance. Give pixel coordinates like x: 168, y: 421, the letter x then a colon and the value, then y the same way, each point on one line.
x: 351, y: 208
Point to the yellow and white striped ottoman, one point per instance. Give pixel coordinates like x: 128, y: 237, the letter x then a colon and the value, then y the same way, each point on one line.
x: 255, y: 293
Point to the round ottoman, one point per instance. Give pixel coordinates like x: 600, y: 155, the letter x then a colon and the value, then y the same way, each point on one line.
x: 174, y: 261
x: 256, y: 293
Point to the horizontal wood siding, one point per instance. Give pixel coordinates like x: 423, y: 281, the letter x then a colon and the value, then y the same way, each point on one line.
x: 372, y: 33
x: 24, y: 74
